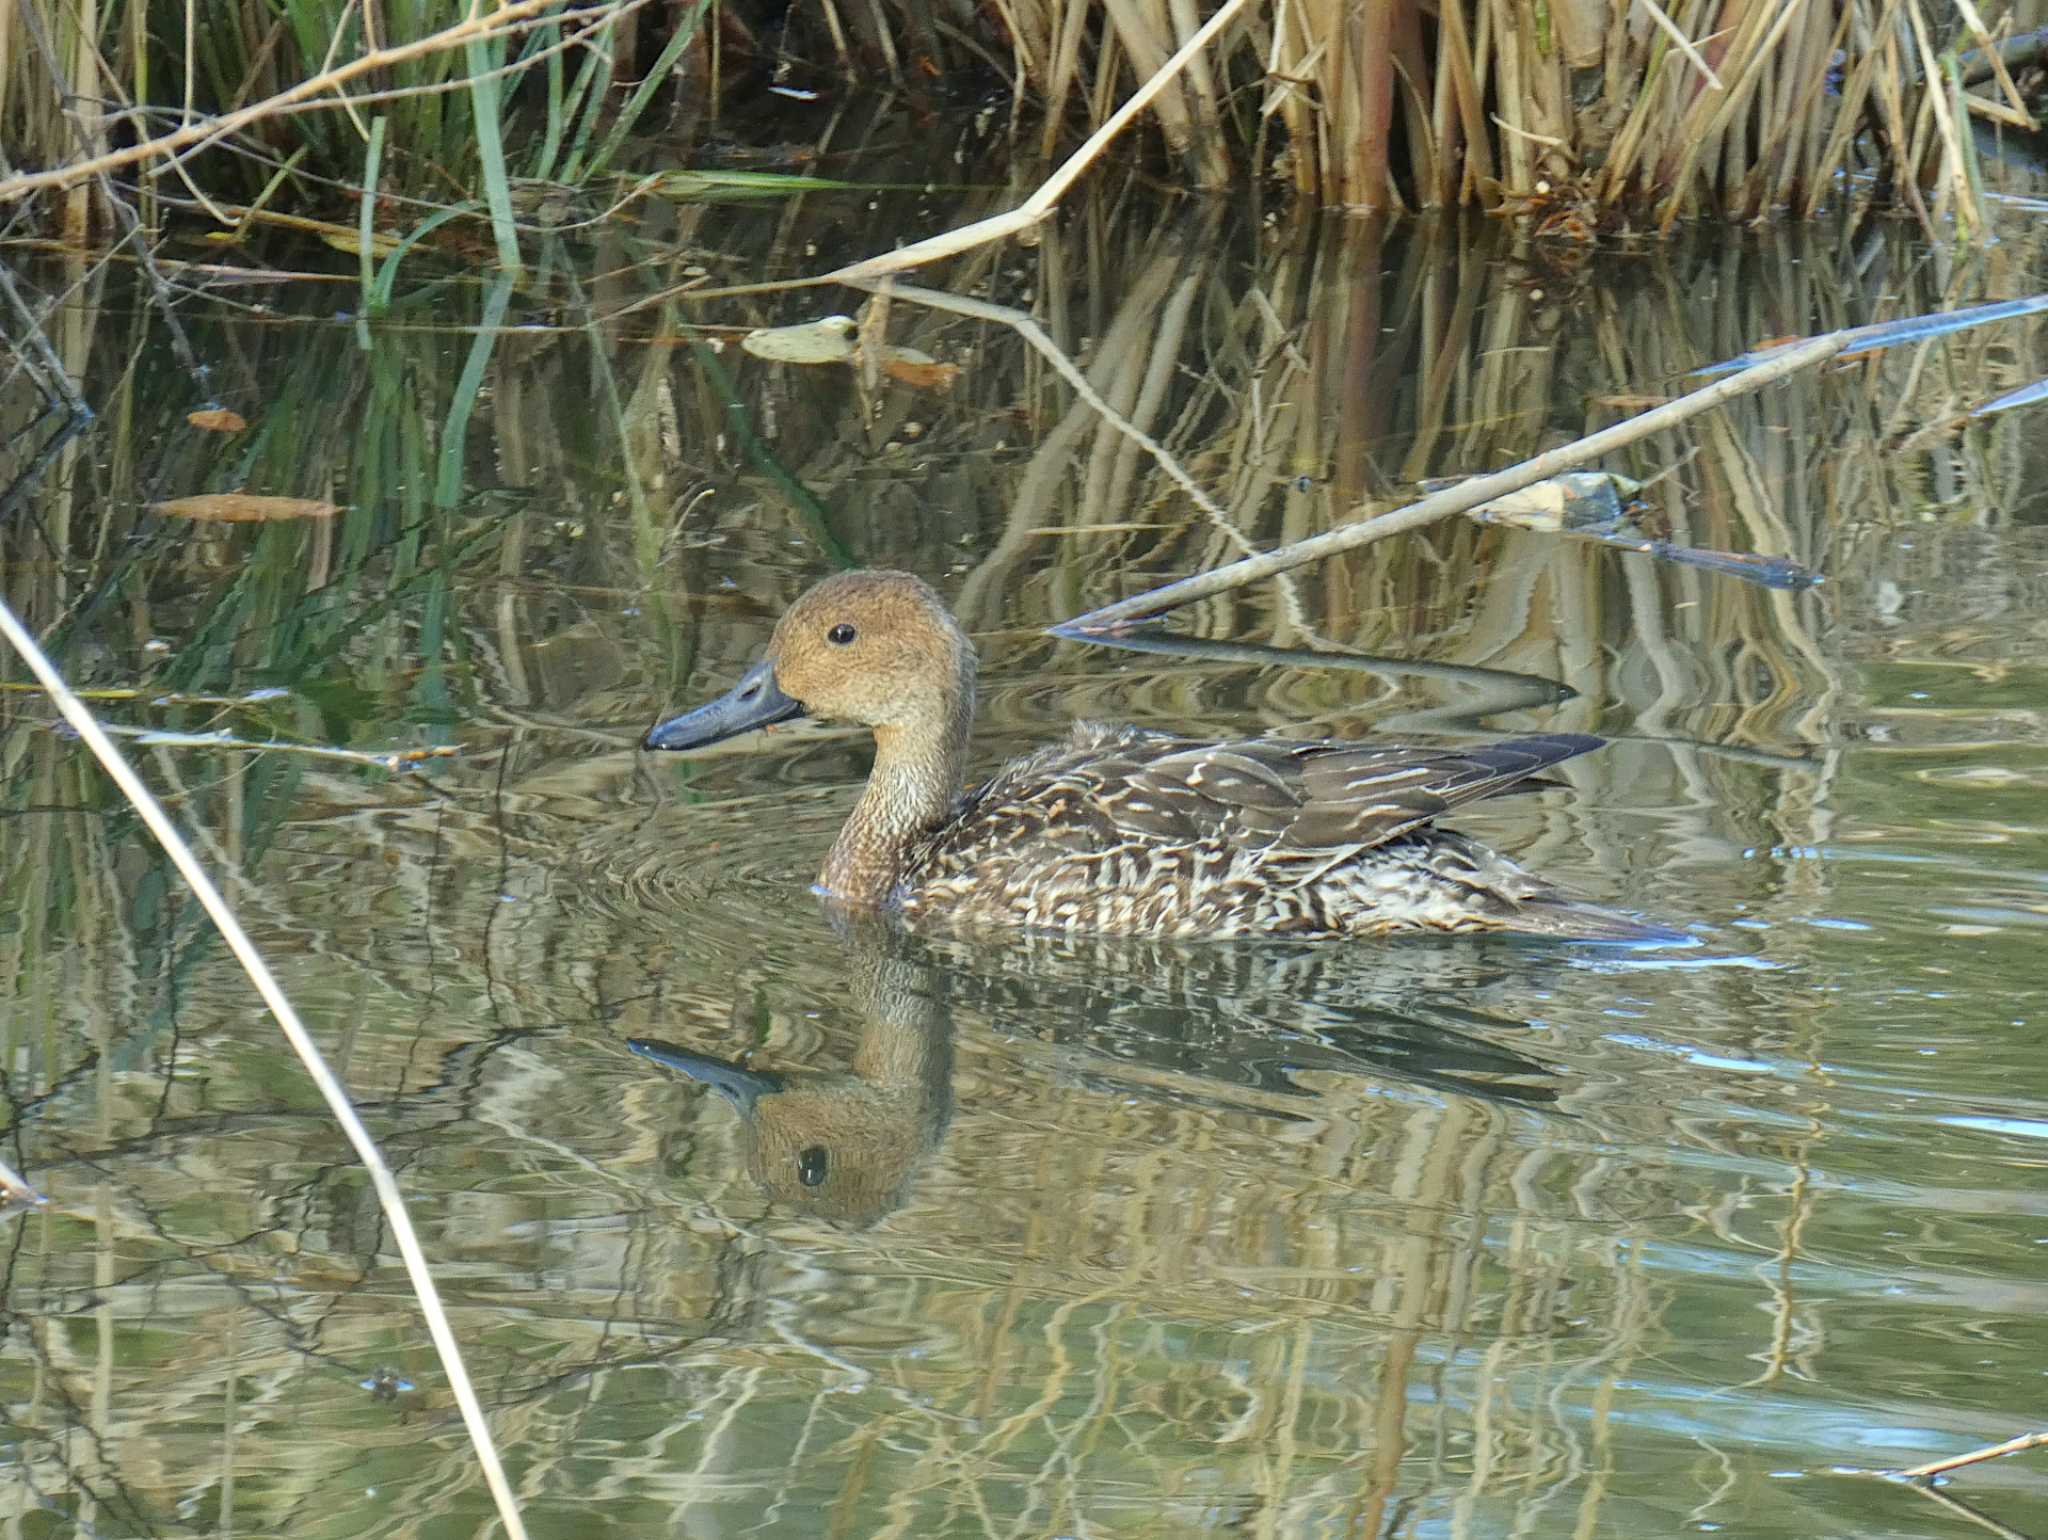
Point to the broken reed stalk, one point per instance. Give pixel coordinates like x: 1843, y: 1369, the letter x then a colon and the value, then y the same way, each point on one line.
x: 1465, y: 496
x: 211, y: 899
x: 1935, y: 1468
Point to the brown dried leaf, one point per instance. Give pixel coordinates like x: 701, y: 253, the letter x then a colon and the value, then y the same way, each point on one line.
x: 244, y: 507
x: 217, y: 419
x: 921, y: 372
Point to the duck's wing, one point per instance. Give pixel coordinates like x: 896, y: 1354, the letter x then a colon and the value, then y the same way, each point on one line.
x: 1315, y: 801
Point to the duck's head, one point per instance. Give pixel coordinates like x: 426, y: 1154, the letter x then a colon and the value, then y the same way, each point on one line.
x: 877, y: 648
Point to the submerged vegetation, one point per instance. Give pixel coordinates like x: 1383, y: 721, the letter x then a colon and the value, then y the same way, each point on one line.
x: 1576, y: 114
x: 379, y: 571
x: 1118, y: 1276
x: 481, y: 521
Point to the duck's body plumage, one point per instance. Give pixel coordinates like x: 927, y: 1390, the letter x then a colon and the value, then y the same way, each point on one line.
x: 1130, y: 832
x: 1125, y: 831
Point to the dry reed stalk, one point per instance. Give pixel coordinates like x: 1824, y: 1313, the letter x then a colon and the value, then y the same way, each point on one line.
x: 1141, y: 29
x: 1288, y: 96
x: 1550, y: 120
x: 1205, y: 101
x: 1995, y: 61
x: 1362, y: 101
x: 1100, y: 91
x: 1855, y: 92
x: 1825, y: 42
x: 1954, y: 189
x: 1620, y: 179
x: 1699, y: 136
x: 1510, y: 57
x: 1470, y: 149
x: 1905, y: 162
x: 1683, y: 44
x: 1061, y: 48
x: 1935, y: 1468
x: 1203, y: 89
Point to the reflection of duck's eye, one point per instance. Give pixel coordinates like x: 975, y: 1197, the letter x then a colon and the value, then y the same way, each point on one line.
x: 810, y: 1165
x: 841, y: 635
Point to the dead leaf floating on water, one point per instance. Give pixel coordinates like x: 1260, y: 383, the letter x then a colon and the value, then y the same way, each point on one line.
x: 831, y: 340
x: 913, y: 368
x: 1587, y: 505
x: 828, y: 340
x: 244, y: 507
x: 1573, y: 501
x: 16, y: 1194
x: 217, y: 419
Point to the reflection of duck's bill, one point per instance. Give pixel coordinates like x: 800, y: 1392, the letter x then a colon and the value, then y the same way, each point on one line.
x: 743, y: 1086
x: 756, y: 701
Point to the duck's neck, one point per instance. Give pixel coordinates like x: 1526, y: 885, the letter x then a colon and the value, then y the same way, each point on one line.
x: 912, y: 789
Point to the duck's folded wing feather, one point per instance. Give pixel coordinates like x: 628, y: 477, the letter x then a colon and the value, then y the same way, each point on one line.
x: 1312, y: 799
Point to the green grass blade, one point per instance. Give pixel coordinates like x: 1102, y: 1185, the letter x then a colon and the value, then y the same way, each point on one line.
x: 387, y: 275
x: 559, y: 108
x: 685, y: 33
x: 591, y: 89
x: 366, y: 218
x: 454, y: 437
x: 490, y: 144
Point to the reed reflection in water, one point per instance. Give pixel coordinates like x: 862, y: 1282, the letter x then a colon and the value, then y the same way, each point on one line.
x: 1294, y: 1241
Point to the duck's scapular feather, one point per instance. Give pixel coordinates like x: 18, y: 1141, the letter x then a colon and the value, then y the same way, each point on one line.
x: 1128, y: 831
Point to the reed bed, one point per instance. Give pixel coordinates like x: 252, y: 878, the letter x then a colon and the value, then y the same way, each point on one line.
x: 1577, y: 118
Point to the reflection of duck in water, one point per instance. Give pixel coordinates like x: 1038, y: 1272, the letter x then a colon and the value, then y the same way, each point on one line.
x: 1126, y: 831
x: 1260, y: 1028
x: 1228, y: 1028
x: 844, y: 1146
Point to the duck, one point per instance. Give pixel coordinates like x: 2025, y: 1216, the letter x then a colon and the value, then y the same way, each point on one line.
x: 1131, y: 831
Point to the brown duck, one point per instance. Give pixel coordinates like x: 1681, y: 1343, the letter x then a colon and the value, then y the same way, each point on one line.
x: 1123, y: 830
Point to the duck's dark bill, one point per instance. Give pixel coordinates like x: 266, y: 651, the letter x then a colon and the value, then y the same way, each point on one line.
x: 741, y: 1085
x: 754, y: 702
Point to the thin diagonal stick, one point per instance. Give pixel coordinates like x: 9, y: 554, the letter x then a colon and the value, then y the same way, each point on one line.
x: 1683, y: 43
x: 1935, y: 1468
x: 159, y: 824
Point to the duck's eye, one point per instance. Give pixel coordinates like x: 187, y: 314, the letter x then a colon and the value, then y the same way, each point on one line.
x: 841, y: 635
x: 811, y: 1165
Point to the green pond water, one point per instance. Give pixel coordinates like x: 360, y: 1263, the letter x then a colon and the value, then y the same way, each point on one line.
x: 1429, y: 1238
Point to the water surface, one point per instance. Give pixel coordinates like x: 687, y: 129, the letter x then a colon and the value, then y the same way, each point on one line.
x: 1468, y: 1237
